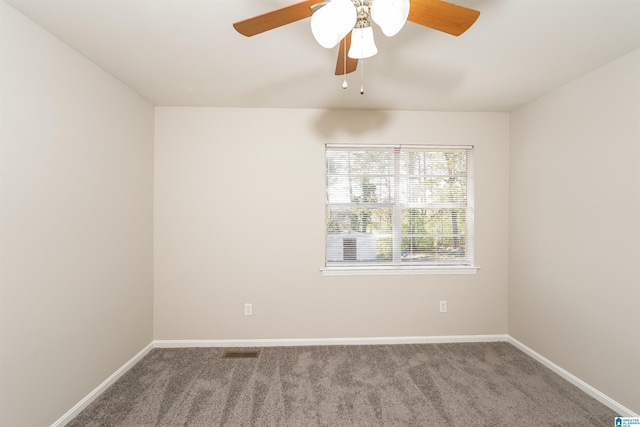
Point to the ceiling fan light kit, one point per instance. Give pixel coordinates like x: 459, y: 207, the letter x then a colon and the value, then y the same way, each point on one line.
x: 332, y: 22
x: 362, y: 43
x: 390, y: 15
x: 349, y: 21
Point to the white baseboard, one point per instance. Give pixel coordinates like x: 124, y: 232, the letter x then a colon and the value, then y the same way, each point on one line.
x: 290, y: 342
x: 591, y: 391
x: 73, y: 412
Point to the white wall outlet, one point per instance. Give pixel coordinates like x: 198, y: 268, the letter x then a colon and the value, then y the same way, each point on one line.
x: 443, y: 306
x: 248, y: 309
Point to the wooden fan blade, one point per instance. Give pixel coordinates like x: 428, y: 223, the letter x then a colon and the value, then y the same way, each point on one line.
x: 352, y: 64
x: 275, y: 18
x: 442, y: 16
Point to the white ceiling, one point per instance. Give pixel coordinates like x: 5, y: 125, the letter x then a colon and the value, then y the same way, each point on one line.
x: 186, y: 52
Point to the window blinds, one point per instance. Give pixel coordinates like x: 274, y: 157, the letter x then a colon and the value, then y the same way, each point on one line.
x: 398, y: 205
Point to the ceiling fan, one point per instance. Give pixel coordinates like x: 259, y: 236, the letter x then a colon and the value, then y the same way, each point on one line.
x: 348, y: 22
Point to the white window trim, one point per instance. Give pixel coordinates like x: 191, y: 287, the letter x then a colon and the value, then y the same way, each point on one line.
x: 394, y: 270
x: 398, y: 270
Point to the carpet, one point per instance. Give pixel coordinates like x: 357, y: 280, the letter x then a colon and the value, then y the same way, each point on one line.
x: 461, y: 384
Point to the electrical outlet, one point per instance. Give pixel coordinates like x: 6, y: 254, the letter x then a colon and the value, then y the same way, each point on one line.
x: 443, y: 306
x: 248, y: 309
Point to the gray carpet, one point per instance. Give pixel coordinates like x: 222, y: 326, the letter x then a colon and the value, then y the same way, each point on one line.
x: 478, y: 384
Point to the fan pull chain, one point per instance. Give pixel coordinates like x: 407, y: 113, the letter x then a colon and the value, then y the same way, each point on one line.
x: 344, y: 50
x: 362, y: 77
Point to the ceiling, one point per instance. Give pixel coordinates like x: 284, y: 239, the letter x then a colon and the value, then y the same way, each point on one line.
x: 186, y: 53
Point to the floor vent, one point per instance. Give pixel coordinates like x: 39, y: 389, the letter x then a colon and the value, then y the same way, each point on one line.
x: 241, y: 354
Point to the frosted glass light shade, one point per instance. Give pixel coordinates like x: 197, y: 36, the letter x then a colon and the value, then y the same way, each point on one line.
x: 332, y: 22
x: 390, y: 15
x: 362, y: 43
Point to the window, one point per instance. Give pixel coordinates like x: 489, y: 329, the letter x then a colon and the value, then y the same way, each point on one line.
x: 398, y: 208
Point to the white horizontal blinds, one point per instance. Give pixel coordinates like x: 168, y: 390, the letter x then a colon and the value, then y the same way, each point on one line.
x: 360, y: 185
x: 359, y: 176
x: 396, y: 205
x: 434, y: 204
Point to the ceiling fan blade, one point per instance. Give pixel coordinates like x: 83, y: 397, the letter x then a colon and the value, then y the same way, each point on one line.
x: 275, y: 18
x: 442, y: 16
x: 352, y: 64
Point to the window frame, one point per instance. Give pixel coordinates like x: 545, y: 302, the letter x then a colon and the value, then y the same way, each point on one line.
x: 395, y: 267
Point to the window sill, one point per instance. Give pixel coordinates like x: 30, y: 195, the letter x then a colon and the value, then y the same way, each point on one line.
x: 397, y: 271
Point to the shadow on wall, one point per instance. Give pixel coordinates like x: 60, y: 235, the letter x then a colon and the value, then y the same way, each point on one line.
x: 330, y: 123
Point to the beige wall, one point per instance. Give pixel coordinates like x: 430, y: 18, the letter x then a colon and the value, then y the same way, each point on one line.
x: 574, y: 282
x: 239, y: 217
x: 76, y: 171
